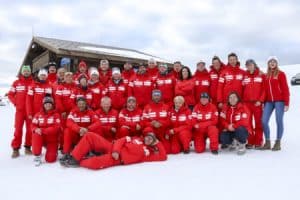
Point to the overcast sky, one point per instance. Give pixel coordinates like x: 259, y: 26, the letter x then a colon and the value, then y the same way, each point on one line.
x: 175, y: 30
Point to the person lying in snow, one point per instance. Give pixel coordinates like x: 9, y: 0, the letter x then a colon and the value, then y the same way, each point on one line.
x: 124, y: 151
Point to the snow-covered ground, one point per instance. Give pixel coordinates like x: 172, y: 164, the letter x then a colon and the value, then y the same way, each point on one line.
x: 256, y: 175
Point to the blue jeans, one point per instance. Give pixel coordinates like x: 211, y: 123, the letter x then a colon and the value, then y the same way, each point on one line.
x: 279, y: 112
x: 240, y: 134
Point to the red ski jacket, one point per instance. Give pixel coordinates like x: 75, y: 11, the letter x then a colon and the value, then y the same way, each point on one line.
x: 214, y: 82
x: 141, y: 86
x: 62, y: 97
x: 130, y: 118
x: 87, y: 119
x: 48, y: 122
x: 133, y: 150
x: 202, y: 83
x: 230, y: 80
x: 18, y: 92
x: 181, y: 119
x: 166, y: 84
x: 157, y: 112
x: 238, y: 115
x: 277, y: 88
x: 118, y: 94
x: 35, y: 95
x: 186, y: 88
x: 254, y: 86
x: 205, y: 115
x: 127, y: 75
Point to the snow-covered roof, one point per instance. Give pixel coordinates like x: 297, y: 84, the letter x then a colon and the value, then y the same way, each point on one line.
x: 72, y: 47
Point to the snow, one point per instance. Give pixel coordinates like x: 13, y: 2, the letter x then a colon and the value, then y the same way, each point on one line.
x: 256, y: 175
x: 124, y: 53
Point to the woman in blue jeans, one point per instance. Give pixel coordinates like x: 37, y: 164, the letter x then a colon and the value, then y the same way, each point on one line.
x: 277, y: 98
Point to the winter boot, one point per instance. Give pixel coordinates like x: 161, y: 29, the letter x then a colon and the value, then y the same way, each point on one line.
x: 224, y: 146
x: 28, y: 151
x: 267, y: 145
x: 233, y: 145
x: 249, y: 146
x: 64, y: 159
x: 71, y: 162
x: 214, y: 152
x: 37, y: 161
x: 15, y: 153
x: 186, y: 151
x: 241, y: 149
x: 277, y: 146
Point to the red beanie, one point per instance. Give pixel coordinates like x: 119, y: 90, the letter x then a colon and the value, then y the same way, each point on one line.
x: 82, y: 64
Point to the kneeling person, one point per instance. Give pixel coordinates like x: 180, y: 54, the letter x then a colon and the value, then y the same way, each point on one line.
x: 46, y: 127
x: 205, y: 119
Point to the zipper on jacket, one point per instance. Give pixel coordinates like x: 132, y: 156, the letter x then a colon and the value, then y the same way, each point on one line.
x: 231, y: 115
x: 271, y: 89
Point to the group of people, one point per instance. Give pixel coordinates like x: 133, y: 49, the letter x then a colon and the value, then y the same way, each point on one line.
x: 102, y: 117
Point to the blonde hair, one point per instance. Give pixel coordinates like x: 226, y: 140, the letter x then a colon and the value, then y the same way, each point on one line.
x: 179, y: 98
x: 272, y: 72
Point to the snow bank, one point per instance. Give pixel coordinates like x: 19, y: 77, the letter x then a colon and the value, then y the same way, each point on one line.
x: 256, y: 175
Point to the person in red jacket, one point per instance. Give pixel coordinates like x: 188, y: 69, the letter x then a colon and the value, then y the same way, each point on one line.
x: 141, y: 86
x: 155, y: 116
x: 104, y: 72
x: 80, y: 121
x: 235, y: 120
x: 230, y: 80
x: 253, y: 97
x: 278, y: 98
x: 130, y: 119
x: 202, y: 79
x: 205, y: 119
x: 82, y: 71
x: 52, y: 78
x: 82, y: 90
x: 177, y: 66
x: 17, y: 95
x: 165, y: 82
x: 215, y: 70
x: 46, y: 129
x: 108, y: 118
x: 128, y: 72
x: 62, y: 95
x: 124, y: 151
x: 180, y: 132
x: 36, y: 92
x: 186, y: 87
x: 96, y: 87
x: 152, y: 70
x: 62, y: 101
x: 117, y: 90
x: 60, y: 79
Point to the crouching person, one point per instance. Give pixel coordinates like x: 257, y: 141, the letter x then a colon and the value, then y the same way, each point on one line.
x: 205, y: 120
x: 80, y: 121
x: 46, y: 127
x: 130, y: 119
x: 124, y: 151
x: 180, y: 133
x: 235, y: 124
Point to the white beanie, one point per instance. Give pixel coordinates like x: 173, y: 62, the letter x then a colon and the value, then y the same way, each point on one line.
x: 93, y: 71
x: 272, y: 58
x: 151, y: 60
x: 116, y: 70
x: 43, y: 72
